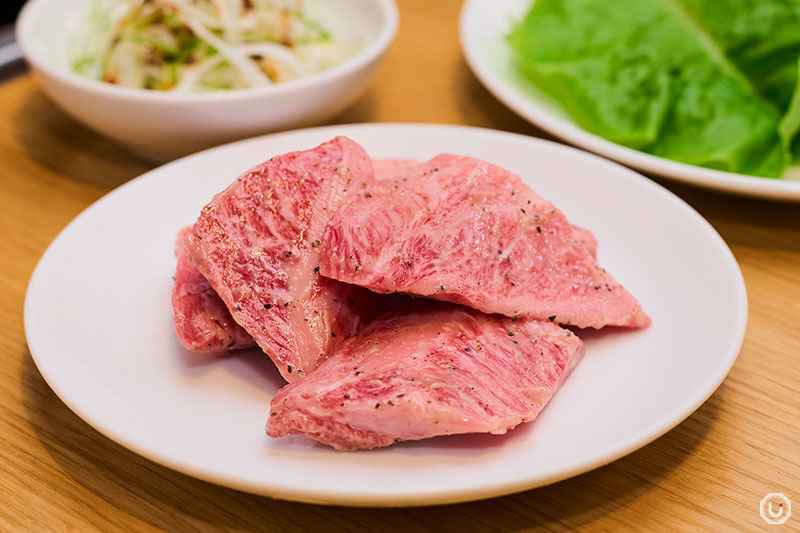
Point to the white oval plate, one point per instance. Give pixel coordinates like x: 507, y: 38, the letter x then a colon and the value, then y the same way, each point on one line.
x: 98, y: 320
x: 483, y: 27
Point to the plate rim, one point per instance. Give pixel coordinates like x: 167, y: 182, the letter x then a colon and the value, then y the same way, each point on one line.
x: 567, y: 131
x: 420, y: 498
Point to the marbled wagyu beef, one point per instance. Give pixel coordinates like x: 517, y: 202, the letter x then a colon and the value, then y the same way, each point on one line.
x: 202, y: 322
x: 427, y: 369
x: 465, y: 231
x: 387, y: 170
x: 257, y: 243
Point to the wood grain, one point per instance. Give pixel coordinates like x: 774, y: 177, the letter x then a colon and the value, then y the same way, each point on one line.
x: 708, y: 474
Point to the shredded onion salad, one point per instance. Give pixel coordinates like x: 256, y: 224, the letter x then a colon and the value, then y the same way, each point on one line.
x: 203, y: 45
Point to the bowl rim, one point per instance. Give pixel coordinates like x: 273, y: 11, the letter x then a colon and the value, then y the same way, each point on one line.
x: 372, y: 51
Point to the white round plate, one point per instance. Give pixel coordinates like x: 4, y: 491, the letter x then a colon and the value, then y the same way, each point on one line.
x: 483, y: 28
x: 98, y: 320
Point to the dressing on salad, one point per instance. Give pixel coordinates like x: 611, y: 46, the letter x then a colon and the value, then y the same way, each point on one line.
x: 203, y: 45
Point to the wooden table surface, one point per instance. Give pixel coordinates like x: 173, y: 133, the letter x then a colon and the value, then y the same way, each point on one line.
x: 709, y: 473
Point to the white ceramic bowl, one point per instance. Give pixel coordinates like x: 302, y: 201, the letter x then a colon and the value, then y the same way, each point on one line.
x: 164, y: 125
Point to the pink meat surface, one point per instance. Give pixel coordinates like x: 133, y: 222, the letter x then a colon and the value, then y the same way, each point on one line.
x: 202, y: 322
x: 392, y: 169
x: 466, y: 231
x: 257, y: 243
x: 428, y: 369
x: 587, y: 238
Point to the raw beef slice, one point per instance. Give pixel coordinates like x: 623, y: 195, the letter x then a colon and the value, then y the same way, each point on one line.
x: 586, y: 238
x: 257, y: 243
x: 466, y: 231
x: 392, y: 169
x: 202, y: 322
x: 428, y: 369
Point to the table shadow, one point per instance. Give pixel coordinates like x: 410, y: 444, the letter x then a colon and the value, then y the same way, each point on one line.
x: 57, y: 141
x: 363, y: 110
x: 165, y: 499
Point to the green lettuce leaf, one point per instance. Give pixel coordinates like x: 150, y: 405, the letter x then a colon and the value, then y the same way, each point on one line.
x: 761, y: 37
x: 645, y: 74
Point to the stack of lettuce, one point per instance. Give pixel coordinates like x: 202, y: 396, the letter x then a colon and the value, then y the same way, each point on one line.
x: 704, y: 82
